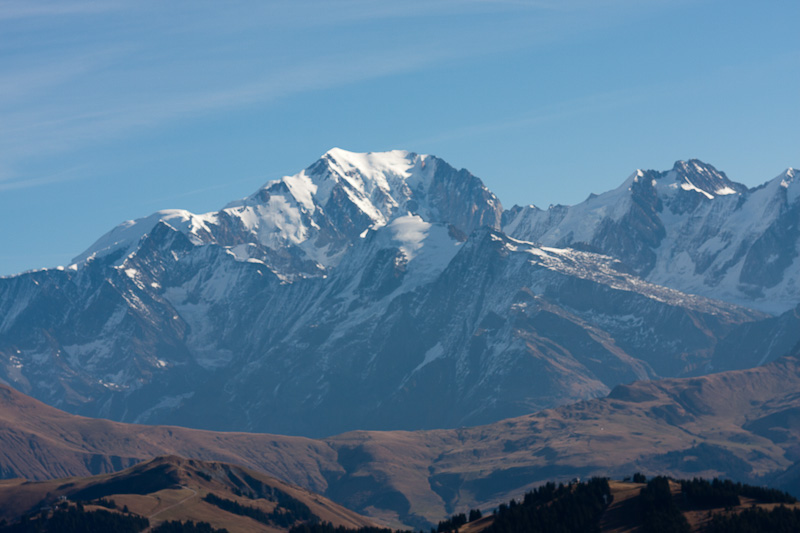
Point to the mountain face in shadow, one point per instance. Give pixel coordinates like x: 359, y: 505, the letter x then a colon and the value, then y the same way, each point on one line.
x: 392, y: 291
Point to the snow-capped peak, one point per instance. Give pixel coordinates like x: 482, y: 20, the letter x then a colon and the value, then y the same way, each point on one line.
x: 376, y: 182
x: 127, y: 235
x: 790, y: 182
x: 302, y: 224
x: 375, y: 165
x: 702, y: 178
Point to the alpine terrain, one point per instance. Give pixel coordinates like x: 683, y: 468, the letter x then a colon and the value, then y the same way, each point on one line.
x: 392, y: 291
x: 741, y: 424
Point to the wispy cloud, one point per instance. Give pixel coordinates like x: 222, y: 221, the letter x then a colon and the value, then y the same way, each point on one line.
x: 558, y: 111
x: 48, y: 128
x: 634, y: 96
x: 311, y: 14
x: 11, y: 182
x: 10, y: 10
x: 26, y: 81
x: 109, y: 85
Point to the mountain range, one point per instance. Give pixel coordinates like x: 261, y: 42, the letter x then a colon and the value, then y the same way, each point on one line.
x: 690, y: 228
x: 392, y: 291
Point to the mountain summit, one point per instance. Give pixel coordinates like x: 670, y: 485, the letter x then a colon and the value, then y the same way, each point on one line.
x: 301, y: 225
x: 391, y: 291
x: 694, y: 175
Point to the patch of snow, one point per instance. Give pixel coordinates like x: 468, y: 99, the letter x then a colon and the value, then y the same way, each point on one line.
x: 578, y: 223
x: 241, y: 251
x: 431, y: 256
x: 303, y: 190
x: 434, y: 353
x: 167, y: 403
x: 790, y: 181
x: 410, y: 232
x: 89, y: 355
x: 111, y: 385
x: 688, y: 186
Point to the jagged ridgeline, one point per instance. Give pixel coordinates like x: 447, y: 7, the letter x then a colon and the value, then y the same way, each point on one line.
x: 393, y: 291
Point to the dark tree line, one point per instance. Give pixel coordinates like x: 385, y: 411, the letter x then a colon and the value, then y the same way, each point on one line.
x: 757, y: 520
x: 108, y: 504
x: 288, y: 512
x: 176, y: 526
x: 708, y: 494
x: 555, y: 509
x: 77, y: 520
x: 660, y: 513
x: 327, y: 527
x: 456, y: 521
x: 549, y: 508
x: 725, y: 493
x: 451, y: 524
x: 764, y: 494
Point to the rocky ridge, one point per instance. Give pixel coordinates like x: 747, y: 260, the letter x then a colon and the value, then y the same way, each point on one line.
x: 380, y: 291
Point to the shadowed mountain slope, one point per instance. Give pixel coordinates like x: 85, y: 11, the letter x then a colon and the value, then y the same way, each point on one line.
x: 742, y: 424
x: 390, y: 290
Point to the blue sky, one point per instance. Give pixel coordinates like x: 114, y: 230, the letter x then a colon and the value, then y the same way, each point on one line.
x: 113, y: 110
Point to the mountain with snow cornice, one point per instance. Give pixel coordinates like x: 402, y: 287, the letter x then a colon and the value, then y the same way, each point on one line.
x: 378, y: 291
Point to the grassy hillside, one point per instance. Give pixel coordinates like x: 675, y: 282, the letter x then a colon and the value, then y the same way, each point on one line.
x: 176, y: 489
x: 742, y: 424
